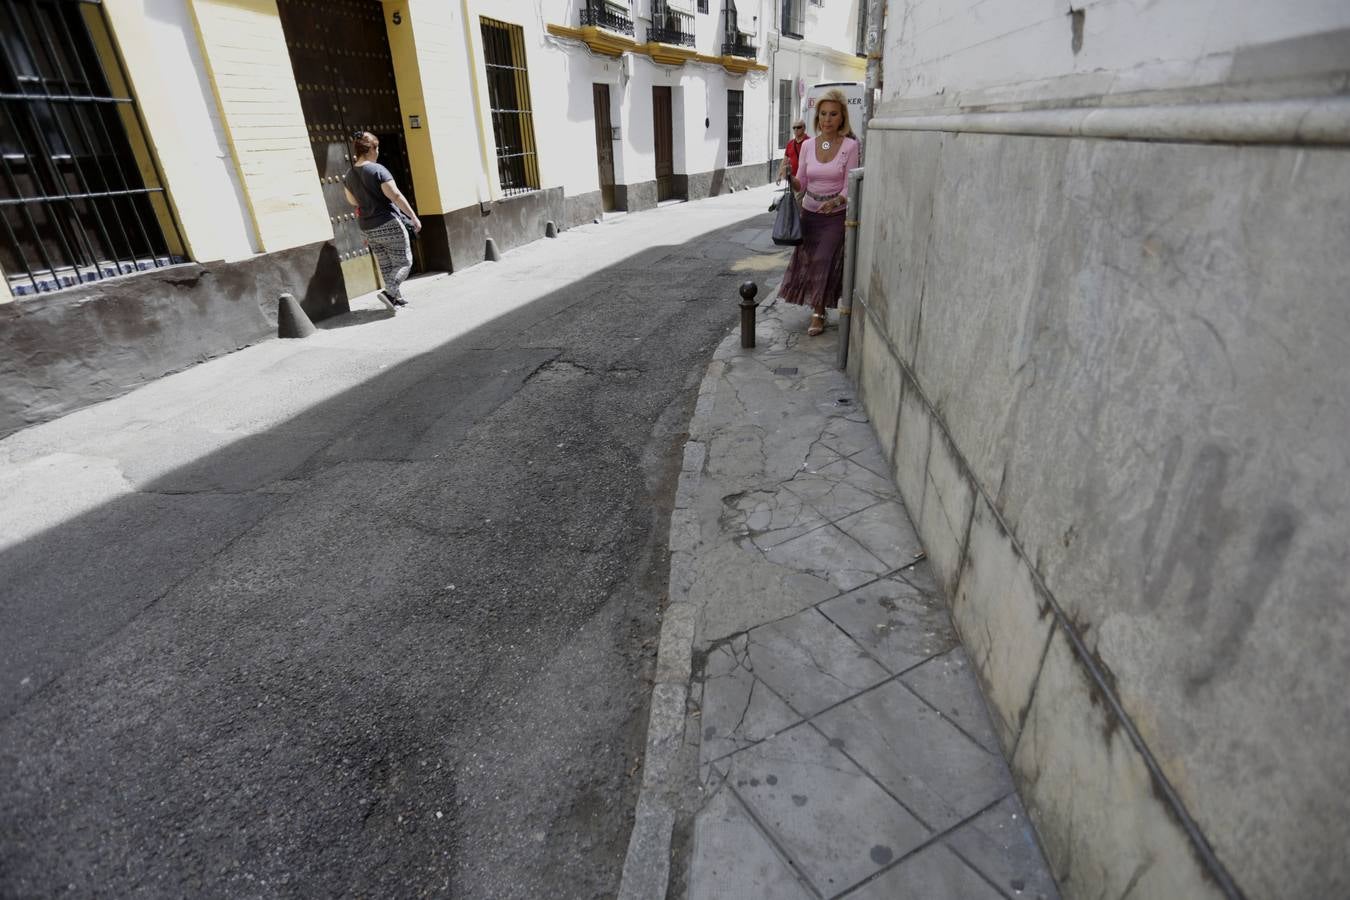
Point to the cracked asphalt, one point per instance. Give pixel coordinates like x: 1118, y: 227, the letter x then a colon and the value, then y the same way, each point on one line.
x: 394, y: 642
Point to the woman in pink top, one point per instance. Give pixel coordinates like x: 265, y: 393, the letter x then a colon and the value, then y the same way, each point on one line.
x: 816, y: 274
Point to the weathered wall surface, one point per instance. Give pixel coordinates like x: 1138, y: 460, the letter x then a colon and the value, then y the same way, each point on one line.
x: 1112, y: 378
x: 66, y: 350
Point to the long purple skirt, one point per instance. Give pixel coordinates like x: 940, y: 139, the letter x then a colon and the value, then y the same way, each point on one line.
x: 815, y: 276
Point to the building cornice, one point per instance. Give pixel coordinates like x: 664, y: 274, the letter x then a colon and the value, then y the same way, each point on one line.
x: 608, y: 43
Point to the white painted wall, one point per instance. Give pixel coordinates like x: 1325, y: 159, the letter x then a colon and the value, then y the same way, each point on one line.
x: 966, y: 52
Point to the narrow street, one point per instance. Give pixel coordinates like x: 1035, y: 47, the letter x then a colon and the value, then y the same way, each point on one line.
x: 370, y: 614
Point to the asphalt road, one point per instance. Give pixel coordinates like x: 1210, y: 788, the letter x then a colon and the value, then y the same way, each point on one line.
x: 396, y: 646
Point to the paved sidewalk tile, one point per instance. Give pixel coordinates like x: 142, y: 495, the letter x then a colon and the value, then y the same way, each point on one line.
x: 896, y: 622
x: 836, y: 824
x: 844, y: 745
x: 736, y: 859
x: 1002, y: 845
x: 934, y: 873
x: 738, y: 709
x: 939, y: 773
x: 810, y: 663
x: 948, y: 684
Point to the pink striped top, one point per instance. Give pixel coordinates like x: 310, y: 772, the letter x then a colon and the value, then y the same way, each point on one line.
x: 824, y: 179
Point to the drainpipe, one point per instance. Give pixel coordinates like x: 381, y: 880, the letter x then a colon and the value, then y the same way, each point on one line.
x: 851, y: 219
x: 876, y: 28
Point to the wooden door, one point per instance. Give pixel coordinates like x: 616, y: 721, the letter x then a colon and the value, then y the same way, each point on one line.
x: 345, y: 73
x: 665, y: 155
x: 604, y: 145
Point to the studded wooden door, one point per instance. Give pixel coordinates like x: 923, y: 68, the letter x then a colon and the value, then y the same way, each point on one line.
x: 340, y: 55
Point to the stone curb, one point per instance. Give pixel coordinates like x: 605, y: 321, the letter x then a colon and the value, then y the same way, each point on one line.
x: 646, y: 867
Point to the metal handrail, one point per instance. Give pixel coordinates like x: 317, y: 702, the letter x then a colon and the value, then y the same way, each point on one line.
x: 740, y: 44
x: 601, y: 15
x: 670, y: 26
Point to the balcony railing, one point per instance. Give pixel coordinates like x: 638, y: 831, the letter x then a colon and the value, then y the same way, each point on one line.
x: 740, y: 44
x: 602, y: 15
x: 670, y: 26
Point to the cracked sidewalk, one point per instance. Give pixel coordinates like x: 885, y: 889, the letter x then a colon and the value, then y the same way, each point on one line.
x: 817, y: 730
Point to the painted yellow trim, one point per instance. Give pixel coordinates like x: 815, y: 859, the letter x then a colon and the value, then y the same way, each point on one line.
x: 100, y: 31
x: 607, y: 43
x: 412, y: 101
x: 225, y: 120
x: 248, y: 63
x: 739, y: 65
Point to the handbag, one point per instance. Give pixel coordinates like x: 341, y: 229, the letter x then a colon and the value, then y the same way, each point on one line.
x: 787, y: 225
x: 406, y: 223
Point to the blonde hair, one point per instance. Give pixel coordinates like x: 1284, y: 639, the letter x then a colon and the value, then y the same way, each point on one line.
x: 834, y: 95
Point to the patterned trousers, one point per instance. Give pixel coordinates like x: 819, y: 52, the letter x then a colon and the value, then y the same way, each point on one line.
x: 393, y: 253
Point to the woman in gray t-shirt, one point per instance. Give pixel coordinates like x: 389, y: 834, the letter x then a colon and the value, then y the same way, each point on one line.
x: 385, y: 215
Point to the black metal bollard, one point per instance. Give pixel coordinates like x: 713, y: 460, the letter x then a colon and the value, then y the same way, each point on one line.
x: 748, y: 291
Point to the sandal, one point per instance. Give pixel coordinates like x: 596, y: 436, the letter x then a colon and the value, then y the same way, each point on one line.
x: 817, y: 324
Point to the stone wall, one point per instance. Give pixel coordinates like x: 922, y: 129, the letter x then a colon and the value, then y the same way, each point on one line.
x: 1112, y: 378
x: 1100, y: 326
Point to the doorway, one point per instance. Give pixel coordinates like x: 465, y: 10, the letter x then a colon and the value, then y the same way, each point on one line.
x: 345, y: 74
x: 604, y: 145
x: 665, y: 152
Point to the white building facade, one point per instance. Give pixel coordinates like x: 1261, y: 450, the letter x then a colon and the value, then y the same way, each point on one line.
x: 811, y: 42
x: 651, y: 100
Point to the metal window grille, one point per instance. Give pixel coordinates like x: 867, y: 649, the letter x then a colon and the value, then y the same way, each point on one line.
x: 735, y: 108
x: 792, y: 23
x: 80, y: 198
x: 785, y: 111
x: 509, y: 100
x: 861, y: 49
x: 702, y: 6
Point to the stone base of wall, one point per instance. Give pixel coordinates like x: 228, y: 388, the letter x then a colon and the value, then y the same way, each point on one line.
x: 66, y: 350
x: 461, y: 236
x: 721, y: 181
x: 635, y: 197
x: 582, y: 209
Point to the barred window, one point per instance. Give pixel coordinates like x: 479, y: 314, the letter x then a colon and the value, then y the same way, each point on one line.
x: 702, y: 6
x: 509, y: 99
x: 792, y: 21
x: 735, y: 106
x: 785, y: 111
x: 80, y: 197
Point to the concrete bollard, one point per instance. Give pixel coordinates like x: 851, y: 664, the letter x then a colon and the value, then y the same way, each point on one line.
x: 748, y: 291
x: 491, y: 254
x: 550, y: 230
x: 291, y: 319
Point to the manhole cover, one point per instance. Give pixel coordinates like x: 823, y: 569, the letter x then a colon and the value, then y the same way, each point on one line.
x: 785, y: 370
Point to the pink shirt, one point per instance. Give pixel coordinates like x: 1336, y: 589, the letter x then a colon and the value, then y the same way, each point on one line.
x: 824, y: 179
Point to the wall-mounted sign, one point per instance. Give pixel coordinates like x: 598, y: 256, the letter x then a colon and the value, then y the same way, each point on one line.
x: 414, y: 121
